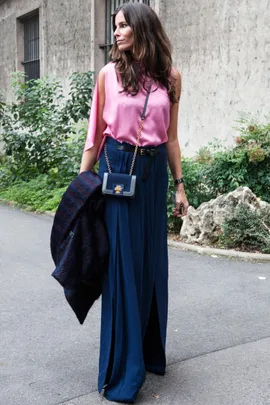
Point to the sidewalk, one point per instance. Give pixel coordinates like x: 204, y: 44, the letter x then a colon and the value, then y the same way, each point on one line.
x: 226, y: 377
x: 218, y: 346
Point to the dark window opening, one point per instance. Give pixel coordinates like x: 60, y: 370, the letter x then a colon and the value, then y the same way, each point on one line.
x: 31, y: 61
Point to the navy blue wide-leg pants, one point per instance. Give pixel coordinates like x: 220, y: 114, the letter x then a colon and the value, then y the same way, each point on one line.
x: 135, y: 289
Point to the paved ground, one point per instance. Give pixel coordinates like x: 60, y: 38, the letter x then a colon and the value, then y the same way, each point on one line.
x: 218, y: 334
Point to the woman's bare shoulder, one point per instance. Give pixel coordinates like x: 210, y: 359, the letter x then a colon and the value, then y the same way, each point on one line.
x: 105, y: 71
x: 176, y: 81
x: 176, y: 75
x: 107, y: 68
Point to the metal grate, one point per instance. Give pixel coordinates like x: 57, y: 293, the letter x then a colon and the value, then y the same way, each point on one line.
x: 31, y: 48
x: 111, y: 5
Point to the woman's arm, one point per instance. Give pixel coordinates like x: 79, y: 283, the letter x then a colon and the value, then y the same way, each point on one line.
x: 89, y: 156
x: 174, y: 153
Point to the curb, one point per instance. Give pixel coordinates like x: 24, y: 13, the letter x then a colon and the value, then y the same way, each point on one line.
x: 219, y: 252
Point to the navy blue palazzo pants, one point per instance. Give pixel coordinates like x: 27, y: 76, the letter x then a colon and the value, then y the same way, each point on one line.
x: 135, y: 288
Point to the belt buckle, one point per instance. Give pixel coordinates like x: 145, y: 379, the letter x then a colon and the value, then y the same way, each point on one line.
x: 143, y: 152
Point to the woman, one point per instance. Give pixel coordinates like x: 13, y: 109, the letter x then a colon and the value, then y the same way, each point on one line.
x: 135, y: 289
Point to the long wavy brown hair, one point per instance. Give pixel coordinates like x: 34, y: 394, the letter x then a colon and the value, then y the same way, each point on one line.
x: 151, y: 47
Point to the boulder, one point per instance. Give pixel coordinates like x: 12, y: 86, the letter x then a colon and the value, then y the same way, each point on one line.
x: 203, y: 225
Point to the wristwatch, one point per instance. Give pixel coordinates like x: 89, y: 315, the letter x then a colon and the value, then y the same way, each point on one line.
x: 178, y: 181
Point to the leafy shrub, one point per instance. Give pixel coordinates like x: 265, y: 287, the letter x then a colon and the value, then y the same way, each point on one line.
x: 246, y: 164
x: 81, y: 88
x: 67, y: 157
x: 247, y: 229
x: 40, y: 127
x: 37, y: 194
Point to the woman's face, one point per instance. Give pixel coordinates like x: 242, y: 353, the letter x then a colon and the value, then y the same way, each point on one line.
x: 123, y: 33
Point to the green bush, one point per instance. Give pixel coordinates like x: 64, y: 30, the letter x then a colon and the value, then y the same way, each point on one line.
x: 36, y: 194
x: 246, y: 164
x: 42, y: 130
x: 67, y: 157
x: 246, y: 229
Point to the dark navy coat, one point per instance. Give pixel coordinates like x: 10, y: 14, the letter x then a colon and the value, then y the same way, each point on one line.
x: 80, y: 244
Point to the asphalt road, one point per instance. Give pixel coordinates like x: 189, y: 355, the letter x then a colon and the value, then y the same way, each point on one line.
x: 218, y: 348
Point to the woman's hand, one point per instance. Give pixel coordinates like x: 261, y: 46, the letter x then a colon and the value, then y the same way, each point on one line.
x: 181, y: 204
x: 174, y: 153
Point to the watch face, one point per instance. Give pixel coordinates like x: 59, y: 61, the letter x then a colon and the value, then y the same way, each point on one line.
x: 178, y: 181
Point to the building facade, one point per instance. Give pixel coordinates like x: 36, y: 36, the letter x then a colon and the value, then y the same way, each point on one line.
x: 220, y: 48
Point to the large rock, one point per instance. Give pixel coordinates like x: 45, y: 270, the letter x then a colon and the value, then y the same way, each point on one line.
x: 203, y: 225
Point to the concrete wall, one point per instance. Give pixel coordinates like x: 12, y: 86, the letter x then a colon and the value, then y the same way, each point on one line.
x: 220, y: 47
x: 8, y: 50
x: 66, y: 38
x: 11, y: 38
x: 67, y: 32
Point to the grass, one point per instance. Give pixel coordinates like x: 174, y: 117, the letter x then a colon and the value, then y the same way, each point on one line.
x: 35, y: 194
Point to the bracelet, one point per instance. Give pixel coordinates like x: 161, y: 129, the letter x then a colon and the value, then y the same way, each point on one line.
x: 178, y: 181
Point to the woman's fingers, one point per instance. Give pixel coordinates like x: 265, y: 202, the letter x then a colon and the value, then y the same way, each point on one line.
x: 185, y: 208
x: 181, y: 209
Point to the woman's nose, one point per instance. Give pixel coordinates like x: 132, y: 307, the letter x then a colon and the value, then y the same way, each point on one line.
x: 116, y: 32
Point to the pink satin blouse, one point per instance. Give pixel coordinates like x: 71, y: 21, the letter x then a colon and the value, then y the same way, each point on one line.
x: 122, y: 113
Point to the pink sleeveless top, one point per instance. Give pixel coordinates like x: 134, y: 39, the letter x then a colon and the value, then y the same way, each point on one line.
x: 122, y: 113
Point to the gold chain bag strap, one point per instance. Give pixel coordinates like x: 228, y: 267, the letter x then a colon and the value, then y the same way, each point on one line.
x: 123, y: 184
